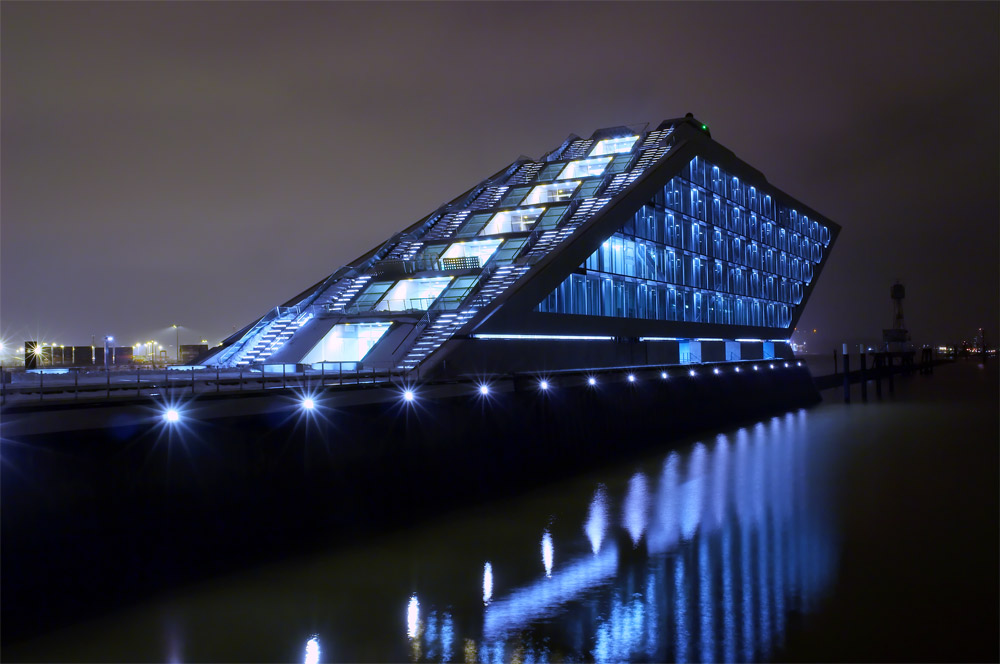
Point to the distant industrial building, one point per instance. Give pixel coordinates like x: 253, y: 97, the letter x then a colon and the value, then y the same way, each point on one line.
x: 626, y: 248
x: 40, y: 356
x: 190, y: 352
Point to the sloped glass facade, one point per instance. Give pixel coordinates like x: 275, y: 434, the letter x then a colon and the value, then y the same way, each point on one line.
x: 707, y: 248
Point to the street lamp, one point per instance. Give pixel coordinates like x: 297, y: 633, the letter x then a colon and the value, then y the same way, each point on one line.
x: 107, y: 351
x: 178, y: 343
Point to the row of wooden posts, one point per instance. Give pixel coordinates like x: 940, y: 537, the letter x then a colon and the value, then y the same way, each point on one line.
x: 883, y: 364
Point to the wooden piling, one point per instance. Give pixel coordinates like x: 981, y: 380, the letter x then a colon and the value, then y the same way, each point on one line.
x: 864, y: 379
x: 847, y: 375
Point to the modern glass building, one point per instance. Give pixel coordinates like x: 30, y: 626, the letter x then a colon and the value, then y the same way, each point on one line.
x: 627, y: 248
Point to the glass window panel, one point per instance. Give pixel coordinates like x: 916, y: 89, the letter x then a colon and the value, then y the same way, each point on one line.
x: 348, y: 342
x: 550, y: 193
x: 413, y: 294
x: 514, y: 197
x: 370, y: 295
x: 552, y: 217
x: 454, y: 295
x: 584, y: 168
x: 432, y: 252
x: 474, y: 225
x: 509, y: 250
x: 478, y: 249
x: 550, y: 172
x: 589, y: 187
x: 620, y: 163
x: 512, y: 221
x: 613, y: 145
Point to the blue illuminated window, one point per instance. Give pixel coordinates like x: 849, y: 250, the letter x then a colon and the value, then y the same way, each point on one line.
x: 707, y: 248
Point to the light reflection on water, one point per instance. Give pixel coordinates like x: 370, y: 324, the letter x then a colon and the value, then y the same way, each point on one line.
x: 547, y: 553
x: 487, y: 583
x: 636, y: 508
x: 597, y: 519
x: 723, y: 545
x: 312, y: 651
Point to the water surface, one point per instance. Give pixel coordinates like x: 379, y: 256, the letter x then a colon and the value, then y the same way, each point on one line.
x: 838, y: 532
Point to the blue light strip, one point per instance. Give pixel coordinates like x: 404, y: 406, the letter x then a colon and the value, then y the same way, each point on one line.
x: 540, y: 337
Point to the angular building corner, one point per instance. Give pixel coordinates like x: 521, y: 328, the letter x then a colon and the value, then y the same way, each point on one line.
x: 628, y: 248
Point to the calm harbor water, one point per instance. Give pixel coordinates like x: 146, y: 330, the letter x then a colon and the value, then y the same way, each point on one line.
x: 861, y: 532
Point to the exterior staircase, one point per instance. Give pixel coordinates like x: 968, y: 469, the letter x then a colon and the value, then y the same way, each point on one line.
x: 444, y: 326
x: 271, y: 336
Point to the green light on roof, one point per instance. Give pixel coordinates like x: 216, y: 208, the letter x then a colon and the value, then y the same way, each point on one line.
x: 704, y: 127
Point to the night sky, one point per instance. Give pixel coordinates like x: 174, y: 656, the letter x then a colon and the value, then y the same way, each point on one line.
x: 199, y: 163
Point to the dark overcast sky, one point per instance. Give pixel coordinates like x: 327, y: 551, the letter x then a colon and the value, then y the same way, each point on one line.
x: 201, y: 162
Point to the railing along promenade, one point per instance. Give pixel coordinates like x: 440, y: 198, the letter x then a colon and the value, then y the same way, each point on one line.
x: 79, y: 384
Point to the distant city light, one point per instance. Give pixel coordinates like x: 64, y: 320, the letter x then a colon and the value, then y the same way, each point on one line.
x: 663, y: 375
x: 755, y: 367
x: 771, y: 366
x: 408, y: 395
x: 484, y: 389
x: 631, y: 378
x: 691, y: 372
x: 591, y: 381
x: 308, y: 403
x: 715, y: 370
x: 737, y: 369
x: 172, y: 415
x: 543, y: 385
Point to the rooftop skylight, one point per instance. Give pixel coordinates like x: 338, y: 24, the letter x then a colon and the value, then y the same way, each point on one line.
x: 584, y: 168
x: 614, y: 145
